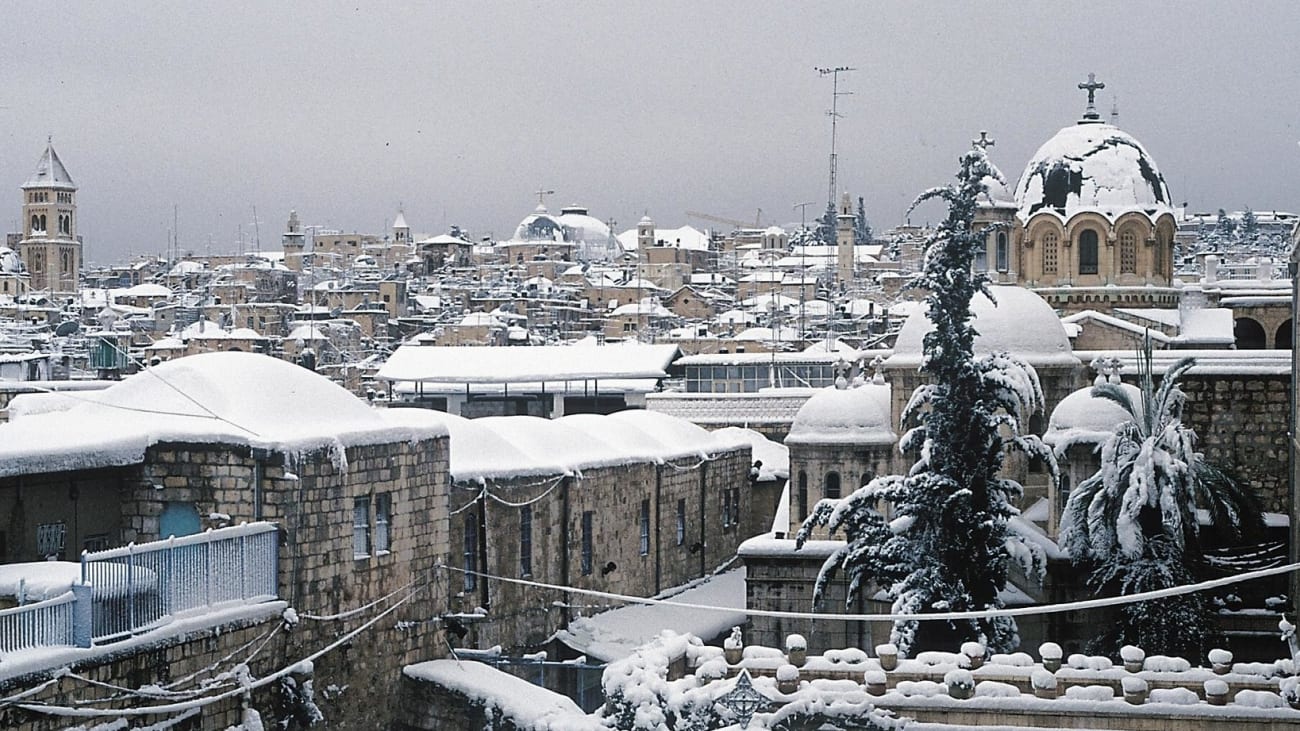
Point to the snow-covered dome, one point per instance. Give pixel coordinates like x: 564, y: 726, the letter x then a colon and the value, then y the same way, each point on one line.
x: 580, y: 227
x: 9, y: 261
x: 1082, y: 418
x: 857, y: 415
x: 1092, y: 166
x: 539, y: 226
x: 1021, y: 323
x: 996, y: 193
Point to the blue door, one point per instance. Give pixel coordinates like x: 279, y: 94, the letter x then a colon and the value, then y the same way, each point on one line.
x: 178, y: 519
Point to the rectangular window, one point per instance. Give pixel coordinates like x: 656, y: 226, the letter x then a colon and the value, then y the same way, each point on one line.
x: 383, y: 523
x: 645, y: 528
x: 526, y: 540
x: 1002, y: 253
x: 681, y: 522
x: 726, y: 509
x: 735, y: 506
x: 586, y: 542
x: 361, y: 527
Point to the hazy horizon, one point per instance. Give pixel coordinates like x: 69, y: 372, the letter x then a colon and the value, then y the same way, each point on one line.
x: 458, y: 112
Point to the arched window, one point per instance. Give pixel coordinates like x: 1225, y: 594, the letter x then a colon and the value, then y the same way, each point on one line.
x: 43, y: 222
x: 1157, y: 257
x: 1002, y: 254
x: 832, y: 491
x: 1128, y: 253
x: 1088, y: 251
x: 36, y: 222
x: 981, y: 258
x: 1050, y: 253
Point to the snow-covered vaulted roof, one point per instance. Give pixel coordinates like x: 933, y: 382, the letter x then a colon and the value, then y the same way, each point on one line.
x: 489, y: 364
x: 9, y: 261
x: 1021, y: 323
x: 50, y: 173
x: 1082, y: 418
x: 775, y: 456
x: 553, y: 440
x: 1092, y: 167
x: 857, y: 415
x: 652, y: 436
x: 227, y: 398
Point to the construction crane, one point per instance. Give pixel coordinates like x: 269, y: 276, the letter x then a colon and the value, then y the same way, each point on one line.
x: 729, y: 221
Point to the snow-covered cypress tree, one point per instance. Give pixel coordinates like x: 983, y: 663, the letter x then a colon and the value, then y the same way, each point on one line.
x: 948, y: 546
x: 861, y: 226
x: 1134, y: 522
x: 826, y: 225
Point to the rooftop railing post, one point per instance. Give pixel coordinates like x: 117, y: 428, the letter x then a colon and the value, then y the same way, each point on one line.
x: 130, y: 585
x: 82, y: 614
x: 207, y: 562
x: 169, y: 582
x: 243, y: 566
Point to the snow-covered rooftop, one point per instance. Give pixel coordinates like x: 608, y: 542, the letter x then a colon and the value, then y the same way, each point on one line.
x: 486, y: 364
x: 1082, y: 418
x: 856, y: 415
x: 228, y: 397
x: 50, y: 172
x: 1021, y: 323
x: 1092, y: 167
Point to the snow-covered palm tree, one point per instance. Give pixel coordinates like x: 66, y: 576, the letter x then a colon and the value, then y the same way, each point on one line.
x: 1135, y: 523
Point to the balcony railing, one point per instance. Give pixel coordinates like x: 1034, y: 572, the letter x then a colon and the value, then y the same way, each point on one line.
x: 127, y: 590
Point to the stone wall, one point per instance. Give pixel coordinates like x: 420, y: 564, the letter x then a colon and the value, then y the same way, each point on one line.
x: 1241, y: 421
x: 312, y: 497
x: 522, y: 617
x: 202, y: 654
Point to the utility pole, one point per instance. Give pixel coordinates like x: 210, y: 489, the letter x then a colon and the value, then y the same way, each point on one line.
x: 803, y: 260
x: 834, y: 114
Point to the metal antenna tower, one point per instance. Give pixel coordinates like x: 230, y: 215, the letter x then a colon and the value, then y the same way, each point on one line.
x: 834, y: 114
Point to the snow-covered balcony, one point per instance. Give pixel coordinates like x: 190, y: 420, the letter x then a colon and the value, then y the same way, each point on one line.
x: 112, y: 595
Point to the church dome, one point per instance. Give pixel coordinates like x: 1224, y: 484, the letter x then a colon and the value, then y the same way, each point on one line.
x: 857, y: 415
x: 1021, y: 323
x: 1092, y: 166
x: 539, y: 226
x: 1082, y: 418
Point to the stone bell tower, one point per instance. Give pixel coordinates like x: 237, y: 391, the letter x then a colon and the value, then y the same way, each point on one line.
x: 50, y: 247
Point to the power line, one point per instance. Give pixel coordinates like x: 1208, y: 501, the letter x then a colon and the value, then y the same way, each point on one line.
x: 929, y: 616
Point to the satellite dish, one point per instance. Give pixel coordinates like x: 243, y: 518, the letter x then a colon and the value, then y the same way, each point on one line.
x: 67, y: 328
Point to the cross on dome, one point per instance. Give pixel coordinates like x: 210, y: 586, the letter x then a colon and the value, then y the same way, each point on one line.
x: 984, y: 142
x: 541, y: 194
x: 1091, y: 87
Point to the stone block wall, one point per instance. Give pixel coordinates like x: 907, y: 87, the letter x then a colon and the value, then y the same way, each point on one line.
x: 1241, y: 421
x: 311, y: 497
x: 201, y: 654
x: 523, y: 617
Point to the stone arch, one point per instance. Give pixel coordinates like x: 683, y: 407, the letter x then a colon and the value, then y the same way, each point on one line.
x: 1282, y: 339
x: 1248, y: 334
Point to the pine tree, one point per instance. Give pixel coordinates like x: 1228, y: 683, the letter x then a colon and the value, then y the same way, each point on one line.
x: 1249, y: 225
x: 861, y: 226
x: 948, y: 546
x: 1133, y: 524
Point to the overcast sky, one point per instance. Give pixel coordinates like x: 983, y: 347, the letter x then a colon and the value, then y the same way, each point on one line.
x: 458, y: 111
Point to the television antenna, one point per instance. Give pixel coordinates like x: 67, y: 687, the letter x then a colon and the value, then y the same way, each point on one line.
x: 835, y: 115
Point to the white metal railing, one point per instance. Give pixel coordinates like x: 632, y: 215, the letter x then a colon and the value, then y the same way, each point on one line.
x: 42, y: 624
x: 137, y: 586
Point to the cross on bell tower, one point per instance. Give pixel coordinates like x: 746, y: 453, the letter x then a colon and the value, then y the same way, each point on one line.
x: 984, y: 142
x: 1090, y: 114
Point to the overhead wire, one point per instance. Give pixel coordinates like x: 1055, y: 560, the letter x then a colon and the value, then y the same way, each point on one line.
x: 894, y: 617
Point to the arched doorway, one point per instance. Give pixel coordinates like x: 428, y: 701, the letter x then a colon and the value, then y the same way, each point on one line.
x: 1249, y: 334
x: 1282, y: 340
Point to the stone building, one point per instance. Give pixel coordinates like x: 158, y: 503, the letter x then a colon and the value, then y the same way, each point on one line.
x: 841, y: 439
x: 235, y: 437
x: 1091, y: 223
x: 50, y: 246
